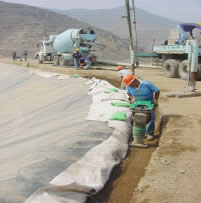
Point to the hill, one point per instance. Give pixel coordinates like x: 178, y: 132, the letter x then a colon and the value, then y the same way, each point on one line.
x: 149, y: 26
x: 22, y: 27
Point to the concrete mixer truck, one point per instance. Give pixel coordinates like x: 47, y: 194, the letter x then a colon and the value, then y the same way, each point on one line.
x: 59, y: 48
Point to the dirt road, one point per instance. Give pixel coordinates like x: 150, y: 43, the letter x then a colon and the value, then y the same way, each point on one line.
x: 169, y: 172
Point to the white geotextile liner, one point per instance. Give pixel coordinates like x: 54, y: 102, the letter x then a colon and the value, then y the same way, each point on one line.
x: 89, y: 175
x: 42, y: 129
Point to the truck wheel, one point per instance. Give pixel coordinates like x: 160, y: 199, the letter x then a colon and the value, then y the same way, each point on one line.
x: 198, y: 74
x: 170, y: 68
x: 62, y: 61
x: 39, y: 61
x: 56, y: 60
x: 93, y: 60
x: 183, y: 70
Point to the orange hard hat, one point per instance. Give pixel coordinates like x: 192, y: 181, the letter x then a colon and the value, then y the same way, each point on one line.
x: 119, y: 67
x: 128, y: 79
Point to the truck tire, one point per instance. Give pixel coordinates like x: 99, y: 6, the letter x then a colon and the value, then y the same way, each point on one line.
x: 62, y: 61
x: 56, y: 60
x: 39, y: 61
x: 198, y: 75
x: 93, y: 60
x: 183, y: 70
x: 170, y: 68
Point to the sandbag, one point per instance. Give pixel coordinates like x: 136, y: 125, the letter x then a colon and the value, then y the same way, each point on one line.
x: 121, y: 116
x: 121, y: 104
x: 111, y: 90
x: 75, y: 76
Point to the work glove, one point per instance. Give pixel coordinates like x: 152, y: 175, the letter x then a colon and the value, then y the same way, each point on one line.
x: 155, y: 103
x: 131, y: 100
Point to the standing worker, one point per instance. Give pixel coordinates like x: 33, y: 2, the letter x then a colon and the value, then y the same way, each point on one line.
x: 184, y: 28
x: 76, y: 56
x: 25, y: 54
x: 14, y: 55
x: 143, y: 90
x: 122, y: 72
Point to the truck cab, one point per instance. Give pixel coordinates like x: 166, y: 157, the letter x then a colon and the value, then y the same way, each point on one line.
x: 46, y: 51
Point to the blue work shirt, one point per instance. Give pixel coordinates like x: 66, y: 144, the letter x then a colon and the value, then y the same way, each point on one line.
x: 89, y: 58
x: 188, y: 27
x: 145, y: 91
x: 76, y: 55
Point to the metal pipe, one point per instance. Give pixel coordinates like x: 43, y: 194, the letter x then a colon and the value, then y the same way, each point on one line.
x: 130, y: 35
x: 134, y: 27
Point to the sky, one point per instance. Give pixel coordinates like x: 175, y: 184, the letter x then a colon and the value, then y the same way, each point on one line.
x: 183, y: 10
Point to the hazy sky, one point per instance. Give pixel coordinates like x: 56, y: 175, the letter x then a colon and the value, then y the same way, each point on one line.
x: 185, y: 10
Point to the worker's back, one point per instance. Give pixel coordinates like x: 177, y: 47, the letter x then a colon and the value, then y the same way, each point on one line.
x: 174, y: 35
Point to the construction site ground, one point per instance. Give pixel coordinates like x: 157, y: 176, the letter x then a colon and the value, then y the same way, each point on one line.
x: 169, y: 170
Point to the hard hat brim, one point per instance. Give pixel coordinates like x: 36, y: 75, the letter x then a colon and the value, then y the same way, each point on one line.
x: 128, y: 83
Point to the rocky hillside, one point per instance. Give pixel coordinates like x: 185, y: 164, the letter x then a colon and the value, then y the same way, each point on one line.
x: 22, y: 27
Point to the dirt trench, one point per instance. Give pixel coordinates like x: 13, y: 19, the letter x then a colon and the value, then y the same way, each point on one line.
x: 125, y: 177
x: 173, y: 173
x: 164, y: 173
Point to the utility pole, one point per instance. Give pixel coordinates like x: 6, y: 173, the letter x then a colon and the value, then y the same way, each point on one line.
x: 134, y: 27
x: 130, y: 35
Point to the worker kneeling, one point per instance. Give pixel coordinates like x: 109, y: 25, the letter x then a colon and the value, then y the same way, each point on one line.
x: 146, y: 95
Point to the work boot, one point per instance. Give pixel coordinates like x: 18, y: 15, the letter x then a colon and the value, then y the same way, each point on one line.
x: 190, y: 89
x: 150, y: 137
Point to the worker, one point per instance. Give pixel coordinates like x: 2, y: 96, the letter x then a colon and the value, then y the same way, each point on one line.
x: 25, y: 54
x: 14, y: 55
x: 122, y: 72
x: 88, y: 62
x: 76, y: 56
x: 184, y: 28
x: 82, y: 63
x: 143, y: 90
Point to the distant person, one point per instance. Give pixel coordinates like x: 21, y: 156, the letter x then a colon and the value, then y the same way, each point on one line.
x: 88, y: 62
x: 14, y: 55
x: 25, y: 54
x: 76, y: 56
x: 184, y: 28
x: 82, y: 63
x: 122, y: 72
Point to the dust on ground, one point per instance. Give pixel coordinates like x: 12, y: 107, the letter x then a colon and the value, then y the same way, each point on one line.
x: 168, y: 173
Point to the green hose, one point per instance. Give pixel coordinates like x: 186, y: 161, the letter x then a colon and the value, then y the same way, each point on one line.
x: 139, y: 131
